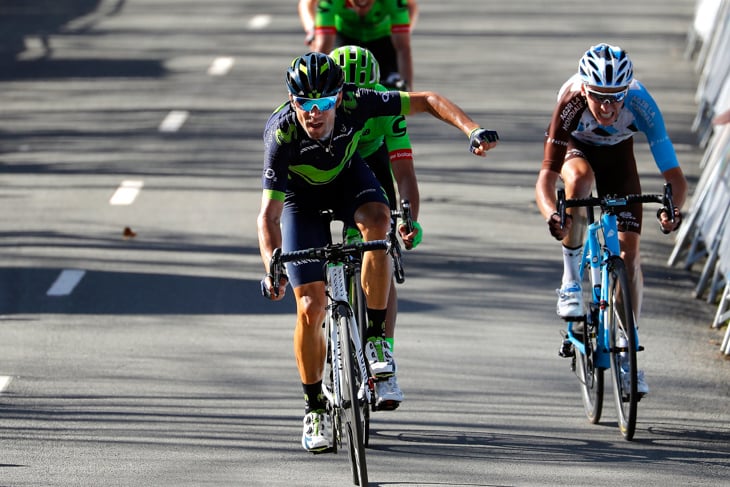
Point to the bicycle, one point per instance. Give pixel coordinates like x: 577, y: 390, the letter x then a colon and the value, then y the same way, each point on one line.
x: 347, y: 383
x: 606, y: 336
x: 357, y: 295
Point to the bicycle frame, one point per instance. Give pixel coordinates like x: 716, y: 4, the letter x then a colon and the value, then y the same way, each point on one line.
x: 600, y: 244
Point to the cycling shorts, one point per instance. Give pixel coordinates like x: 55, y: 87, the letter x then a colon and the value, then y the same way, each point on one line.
x: 614, y: 167
x: 303, y: 226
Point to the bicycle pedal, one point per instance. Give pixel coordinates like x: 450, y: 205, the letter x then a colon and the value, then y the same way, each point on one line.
x: 573, y: 318
x: 566, y: 349
x: 387, y: 406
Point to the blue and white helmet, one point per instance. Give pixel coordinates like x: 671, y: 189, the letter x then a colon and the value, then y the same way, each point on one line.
x: 606, y: 66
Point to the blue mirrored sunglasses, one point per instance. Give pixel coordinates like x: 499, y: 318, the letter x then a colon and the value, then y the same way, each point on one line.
x: 323, y: 104
x: 607, y: 98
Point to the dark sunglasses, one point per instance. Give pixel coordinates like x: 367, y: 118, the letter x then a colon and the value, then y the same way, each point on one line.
x: 607, y: 98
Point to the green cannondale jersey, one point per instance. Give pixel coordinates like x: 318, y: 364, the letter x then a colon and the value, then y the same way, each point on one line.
x: 383, y: 19
x: 388, y: 129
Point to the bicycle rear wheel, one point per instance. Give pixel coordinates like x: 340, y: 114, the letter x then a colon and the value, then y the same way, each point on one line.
x: 589, y: 374
x: 352, y: 407
x: 622, y: 336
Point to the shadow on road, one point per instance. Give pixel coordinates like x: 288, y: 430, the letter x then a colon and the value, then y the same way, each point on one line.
x: 23, y: 19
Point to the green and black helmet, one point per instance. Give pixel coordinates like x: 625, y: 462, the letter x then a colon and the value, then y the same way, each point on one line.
x: 359, y: 65
x: 314, y: 75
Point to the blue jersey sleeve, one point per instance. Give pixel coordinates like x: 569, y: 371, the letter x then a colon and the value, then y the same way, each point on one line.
x: 649, y: 120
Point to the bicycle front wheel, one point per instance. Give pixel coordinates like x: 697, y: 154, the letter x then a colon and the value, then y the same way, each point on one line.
x: 359, y: 307
x: 352, y: 406
x: 622, y: 339
x: 589, y: 375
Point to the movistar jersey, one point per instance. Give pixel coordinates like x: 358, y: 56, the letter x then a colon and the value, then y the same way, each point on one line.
x: 293, y: 161
x: 639, y: 113
x: 386, y: 17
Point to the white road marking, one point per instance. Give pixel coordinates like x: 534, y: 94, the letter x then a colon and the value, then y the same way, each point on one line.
x: 173, y: 121
x: 259, y: 22
x: 220, y: 66
x: 66, y: 282
x: 126, y: 193
x: 4, y: 382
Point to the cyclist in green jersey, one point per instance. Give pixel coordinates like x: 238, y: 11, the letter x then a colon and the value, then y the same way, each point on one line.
x: 381, y: 26
x: 308, y: 11
x: 386, y: 148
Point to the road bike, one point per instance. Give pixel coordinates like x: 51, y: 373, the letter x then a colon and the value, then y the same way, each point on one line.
x: 357, y: 295
x: 606, y: 337
x: 347, y: 382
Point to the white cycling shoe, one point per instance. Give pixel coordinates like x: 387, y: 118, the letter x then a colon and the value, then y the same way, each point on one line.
x: 570, y: 300
x: 317, y: 433
x: 388, y: 395
x: 380, y: 356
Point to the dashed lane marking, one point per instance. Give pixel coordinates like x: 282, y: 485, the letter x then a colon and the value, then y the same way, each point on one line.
x: 4, y: 382
x: 173, y: 121
x: 220, y: 66
x: 65, y: 283
x: 259, y: 22
x: 126, y: 193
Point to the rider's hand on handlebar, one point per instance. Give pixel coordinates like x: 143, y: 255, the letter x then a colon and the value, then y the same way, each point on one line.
x: 559, y: 229
x: 267, y: 287
x: 666, y: 225
x: 411, y: 240
x: 481, y: 140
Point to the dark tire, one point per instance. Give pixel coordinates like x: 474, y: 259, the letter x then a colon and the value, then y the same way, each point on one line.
x: 354, y: 424
x: 359, y: 307
x: 590, y: 376
x: 621, y: 325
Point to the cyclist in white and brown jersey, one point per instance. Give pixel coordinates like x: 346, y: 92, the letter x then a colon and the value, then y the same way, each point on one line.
x: 590, y: 141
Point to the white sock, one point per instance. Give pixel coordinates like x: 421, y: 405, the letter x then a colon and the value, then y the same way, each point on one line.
x: 571, y: 264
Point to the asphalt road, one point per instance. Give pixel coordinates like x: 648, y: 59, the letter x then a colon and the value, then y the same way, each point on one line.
x: 149, y: 358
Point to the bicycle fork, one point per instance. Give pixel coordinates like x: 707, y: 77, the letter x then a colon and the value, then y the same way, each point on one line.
x: 338, y: 294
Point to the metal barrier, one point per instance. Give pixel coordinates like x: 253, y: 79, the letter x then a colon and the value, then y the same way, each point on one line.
x: 706, y: 233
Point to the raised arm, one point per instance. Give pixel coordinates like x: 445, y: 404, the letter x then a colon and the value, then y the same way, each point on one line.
x: 447, y: 111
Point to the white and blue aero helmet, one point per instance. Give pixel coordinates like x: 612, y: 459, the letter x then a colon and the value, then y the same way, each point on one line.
x: 606, y: 66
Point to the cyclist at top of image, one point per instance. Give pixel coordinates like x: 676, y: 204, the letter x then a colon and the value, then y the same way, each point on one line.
x: 590, y: 141
x: 381, y: 26
x: 386, y: 149
x: 310, y: 164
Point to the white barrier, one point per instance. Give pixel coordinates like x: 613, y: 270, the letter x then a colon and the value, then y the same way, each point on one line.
x: 706, y: 234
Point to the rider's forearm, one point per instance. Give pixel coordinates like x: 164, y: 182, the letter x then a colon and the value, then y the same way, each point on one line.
x: 269, y: 232
x: 405, y: 177
x: 306, y: 14
x: 545, y: 190
x: 676, y: 178
x: 443, y: 109
x: 402, y: 45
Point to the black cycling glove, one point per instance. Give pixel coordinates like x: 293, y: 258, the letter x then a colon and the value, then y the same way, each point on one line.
x: 479, y: 135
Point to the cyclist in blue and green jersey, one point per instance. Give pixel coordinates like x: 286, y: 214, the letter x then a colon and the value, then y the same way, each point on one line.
x: 386, y: 149
x: 311, y: 164
x: 381, y: 26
